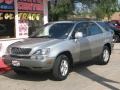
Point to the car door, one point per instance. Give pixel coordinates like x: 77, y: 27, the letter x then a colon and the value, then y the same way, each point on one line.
x: 84, y: 50
x: 96, y: 39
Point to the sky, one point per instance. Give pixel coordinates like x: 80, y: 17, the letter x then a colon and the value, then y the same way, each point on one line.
x: 119, y: 1
x: 78, y: 6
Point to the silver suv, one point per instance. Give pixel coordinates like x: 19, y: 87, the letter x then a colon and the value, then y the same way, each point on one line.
x: 58, y: 46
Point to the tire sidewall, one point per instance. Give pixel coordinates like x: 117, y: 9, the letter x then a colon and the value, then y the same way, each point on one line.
x: 102, y: 59
x: 56, y: 69
x: 116, y: 38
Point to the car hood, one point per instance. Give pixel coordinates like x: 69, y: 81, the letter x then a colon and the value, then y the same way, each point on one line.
x: 36, y: 42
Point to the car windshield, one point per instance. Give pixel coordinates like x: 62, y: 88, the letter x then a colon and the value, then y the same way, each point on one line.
x: 58, y: 30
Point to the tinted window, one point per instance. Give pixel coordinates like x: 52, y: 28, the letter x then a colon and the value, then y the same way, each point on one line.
x: 58, y: 30
x: 81, y: 27
x: 94, y: 29
x: 105, y: 25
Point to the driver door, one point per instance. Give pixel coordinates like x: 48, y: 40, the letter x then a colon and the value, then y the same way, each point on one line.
x: 84, y: 50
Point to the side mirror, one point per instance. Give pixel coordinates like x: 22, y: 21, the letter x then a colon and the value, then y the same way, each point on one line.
x: 78, y: 35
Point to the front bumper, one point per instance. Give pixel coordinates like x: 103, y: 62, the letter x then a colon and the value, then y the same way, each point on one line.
x: 30, y: 64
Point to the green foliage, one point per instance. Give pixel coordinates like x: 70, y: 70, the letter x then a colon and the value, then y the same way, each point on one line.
x: 61, y: 9
x: 101, y: 8
x: 106, y: 8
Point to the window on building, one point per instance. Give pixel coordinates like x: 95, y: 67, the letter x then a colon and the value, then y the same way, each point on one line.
x: 7, y: 29
x: 7, y: 22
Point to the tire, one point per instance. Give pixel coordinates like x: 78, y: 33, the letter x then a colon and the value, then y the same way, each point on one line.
x: 104, y: 57
x: 116, y: 38
x: 61, y: 67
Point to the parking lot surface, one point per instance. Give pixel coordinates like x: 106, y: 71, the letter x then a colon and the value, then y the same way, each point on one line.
x: 88, y: 76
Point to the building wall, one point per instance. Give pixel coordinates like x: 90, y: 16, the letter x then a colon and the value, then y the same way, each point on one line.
x: 19, y: 23
x: 115, y: 16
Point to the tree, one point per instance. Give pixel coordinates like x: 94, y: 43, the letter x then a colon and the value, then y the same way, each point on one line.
x: 101, y: 8
x: 60, y: 9
x: 106, y: 8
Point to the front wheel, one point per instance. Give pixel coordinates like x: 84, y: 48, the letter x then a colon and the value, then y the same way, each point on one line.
x: 61, y: 67
x: 105, y: 56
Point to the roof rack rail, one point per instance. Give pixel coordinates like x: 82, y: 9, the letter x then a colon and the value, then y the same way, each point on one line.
x: 82, y: 19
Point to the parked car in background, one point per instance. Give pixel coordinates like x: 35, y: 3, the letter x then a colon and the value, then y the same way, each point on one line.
x: 57, y: 46
x: 115, y: 25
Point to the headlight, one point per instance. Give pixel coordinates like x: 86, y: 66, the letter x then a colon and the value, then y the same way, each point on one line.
x: 42, y: 51
x: 8, y: 51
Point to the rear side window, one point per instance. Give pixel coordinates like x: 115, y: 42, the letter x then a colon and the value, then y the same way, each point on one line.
x: 94, y: 29
x: 106, y: 26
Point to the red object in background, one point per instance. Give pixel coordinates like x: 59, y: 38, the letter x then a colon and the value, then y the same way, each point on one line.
x: 118, y: 27
x: 3, y: 67
x: 116, y: 24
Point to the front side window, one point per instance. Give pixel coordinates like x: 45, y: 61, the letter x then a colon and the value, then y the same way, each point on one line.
x: 58, y: 30
x: 81, y: 27
x: 94, y: 29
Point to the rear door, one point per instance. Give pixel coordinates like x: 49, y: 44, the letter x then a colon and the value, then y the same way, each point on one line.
x: 96, y: 39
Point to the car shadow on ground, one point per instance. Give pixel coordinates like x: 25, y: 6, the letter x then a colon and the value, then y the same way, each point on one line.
x: 30, y: 76
x: 85, y: 72
x: 81, y: 69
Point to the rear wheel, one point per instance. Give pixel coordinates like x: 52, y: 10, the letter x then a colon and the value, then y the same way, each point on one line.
x: 116, y: 38
x: 61, y: 67
x: 105, y: 56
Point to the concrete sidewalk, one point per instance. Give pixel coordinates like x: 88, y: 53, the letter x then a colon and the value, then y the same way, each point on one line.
x: 116, y: 48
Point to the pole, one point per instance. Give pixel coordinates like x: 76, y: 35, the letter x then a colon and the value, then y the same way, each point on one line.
x: 45, y: 11
x: 16, y: 19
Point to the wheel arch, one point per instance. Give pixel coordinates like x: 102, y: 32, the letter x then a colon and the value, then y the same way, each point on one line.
x: 109, y: 46
x: 69, y: 55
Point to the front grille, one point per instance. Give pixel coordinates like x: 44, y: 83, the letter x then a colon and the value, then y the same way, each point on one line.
x: 20, y: 57
x: 22, y: 51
